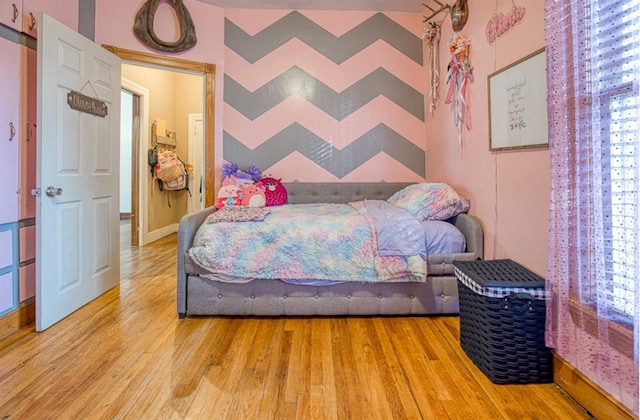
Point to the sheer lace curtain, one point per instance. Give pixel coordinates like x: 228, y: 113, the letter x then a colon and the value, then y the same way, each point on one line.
x: 593, y: 65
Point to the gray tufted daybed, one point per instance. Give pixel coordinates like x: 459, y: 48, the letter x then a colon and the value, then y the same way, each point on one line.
x: 198, y: 295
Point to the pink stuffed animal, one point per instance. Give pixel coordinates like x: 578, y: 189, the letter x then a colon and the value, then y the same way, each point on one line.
x: 274, y: 191
x: 253, y: 196
x: 229, y: 194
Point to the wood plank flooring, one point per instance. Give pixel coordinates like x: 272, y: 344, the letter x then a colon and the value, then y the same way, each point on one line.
x: 127, y: 355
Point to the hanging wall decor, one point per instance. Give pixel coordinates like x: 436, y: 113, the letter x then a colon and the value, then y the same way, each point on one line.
x: 459, y: 12
x: 500, y: 24
x: 459, y: 78
x: 143, y: 27
x: 431, y: 34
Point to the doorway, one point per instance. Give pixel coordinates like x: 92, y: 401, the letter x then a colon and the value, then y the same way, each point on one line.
x: 207, y: 74
x: 169, y: 98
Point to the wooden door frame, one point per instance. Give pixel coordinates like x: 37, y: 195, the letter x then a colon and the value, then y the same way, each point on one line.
x: 135, y: 173
x: 208, y: 71
x: 140, y: 116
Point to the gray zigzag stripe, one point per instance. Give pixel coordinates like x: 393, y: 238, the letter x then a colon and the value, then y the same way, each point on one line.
x: 338, y: 105
x: 339, y: 162
x: 337, y: 49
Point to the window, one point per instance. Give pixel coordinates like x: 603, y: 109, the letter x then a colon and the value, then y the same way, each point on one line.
x: 614, y: 61
x: 621, y: 242
x: 593, y: 91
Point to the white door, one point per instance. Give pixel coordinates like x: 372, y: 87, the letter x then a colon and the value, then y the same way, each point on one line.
x: 77, y: 236
x: 196, y: 184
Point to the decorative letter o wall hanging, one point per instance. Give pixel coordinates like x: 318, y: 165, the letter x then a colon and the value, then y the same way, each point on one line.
x: 143, y: 27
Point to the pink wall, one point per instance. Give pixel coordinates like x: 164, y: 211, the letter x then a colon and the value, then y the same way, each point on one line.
x: 509, y: 191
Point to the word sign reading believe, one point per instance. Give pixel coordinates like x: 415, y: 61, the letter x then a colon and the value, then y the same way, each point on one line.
x: 83, y: 103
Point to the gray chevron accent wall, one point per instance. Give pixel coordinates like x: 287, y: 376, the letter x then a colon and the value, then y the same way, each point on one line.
x: 336, y: 48
x: 337, y: 104
x: 338, y: 162
x: 379, y: 102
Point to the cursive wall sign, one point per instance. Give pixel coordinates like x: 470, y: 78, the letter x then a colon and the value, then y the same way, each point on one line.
x: 500, y: 24
x: 83, y: 103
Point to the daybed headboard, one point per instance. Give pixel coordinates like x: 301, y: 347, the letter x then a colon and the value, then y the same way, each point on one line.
x: 343, y: 192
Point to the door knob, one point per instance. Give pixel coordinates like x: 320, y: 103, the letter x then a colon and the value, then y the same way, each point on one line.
x: 53, y: 191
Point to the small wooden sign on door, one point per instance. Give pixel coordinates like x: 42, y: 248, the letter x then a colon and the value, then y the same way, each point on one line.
x: 83, y: 103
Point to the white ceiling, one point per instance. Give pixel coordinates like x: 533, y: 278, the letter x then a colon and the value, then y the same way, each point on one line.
x: 413, y: 6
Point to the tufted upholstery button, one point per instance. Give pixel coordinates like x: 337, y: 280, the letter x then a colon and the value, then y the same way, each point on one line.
x: 316, y: 296
x: 442, y: 295
x: 349, y: 296
x: 220, y: 296
x: 411, y: 296
x: 444, y: 264
x: 252, y: 296
x: 284, y: 296
x: 380, y: 296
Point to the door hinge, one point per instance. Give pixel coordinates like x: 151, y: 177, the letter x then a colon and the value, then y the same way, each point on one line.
x: 36, y: 192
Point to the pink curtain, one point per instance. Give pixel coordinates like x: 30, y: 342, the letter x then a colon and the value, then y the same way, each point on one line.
x: 593, y: 66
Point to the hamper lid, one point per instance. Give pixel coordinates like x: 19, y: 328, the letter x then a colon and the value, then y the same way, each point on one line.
x: 499, y: 278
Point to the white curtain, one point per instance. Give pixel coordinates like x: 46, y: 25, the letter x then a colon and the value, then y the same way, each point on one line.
x: 593, y: 67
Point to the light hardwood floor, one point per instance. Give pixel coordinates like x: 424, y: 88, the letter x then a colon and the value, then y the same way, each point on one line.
x: 127, y: 355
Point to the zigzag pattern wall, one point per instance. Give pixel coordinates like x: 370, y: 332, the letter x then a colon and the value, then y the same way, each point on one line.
x: 325, y: 96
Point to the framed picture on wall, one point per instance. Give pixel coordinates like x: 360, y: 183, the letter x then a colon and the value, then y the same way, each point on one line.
x: 518, y: 104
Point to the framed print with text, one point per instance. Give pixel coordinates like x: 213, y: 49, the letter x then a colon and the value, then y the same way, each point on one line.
x: 518, y: 104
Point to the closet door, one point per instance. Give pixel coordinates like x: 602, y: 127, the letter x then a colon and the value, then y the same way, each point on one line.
x: 28, y: 139
x: 9, y: 130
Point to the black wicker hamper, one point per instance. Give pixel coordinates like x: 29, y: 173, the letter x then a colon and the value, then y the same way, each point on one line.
x: 502, y: 321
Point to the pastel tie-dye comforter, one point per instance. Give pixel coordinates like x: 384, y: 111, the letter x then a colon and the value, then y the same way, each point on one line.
x: 302, y: 242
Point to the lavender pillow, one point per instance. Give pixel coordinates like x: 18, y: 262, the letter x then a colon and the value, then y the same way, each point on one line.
x: 430, y: 201
x: 442, y: 237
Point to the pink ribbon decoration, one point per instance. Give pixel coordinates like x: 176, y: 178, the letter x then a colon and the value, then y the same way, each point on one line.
x: 459, y: 78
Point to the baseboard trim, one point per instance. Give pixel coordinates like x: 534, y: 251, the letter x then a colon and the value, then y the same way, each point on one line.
x: 160, y: 233
x: 17, y: 323
x: 588, y: 394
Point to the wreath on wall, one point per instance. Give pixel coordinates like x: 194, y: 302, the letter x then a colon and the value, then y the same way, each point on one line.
x: 143, y: 27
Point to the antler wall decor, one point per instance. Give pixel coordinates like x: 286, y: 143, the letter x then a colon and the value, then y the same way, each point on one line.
x: 459, y: 12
